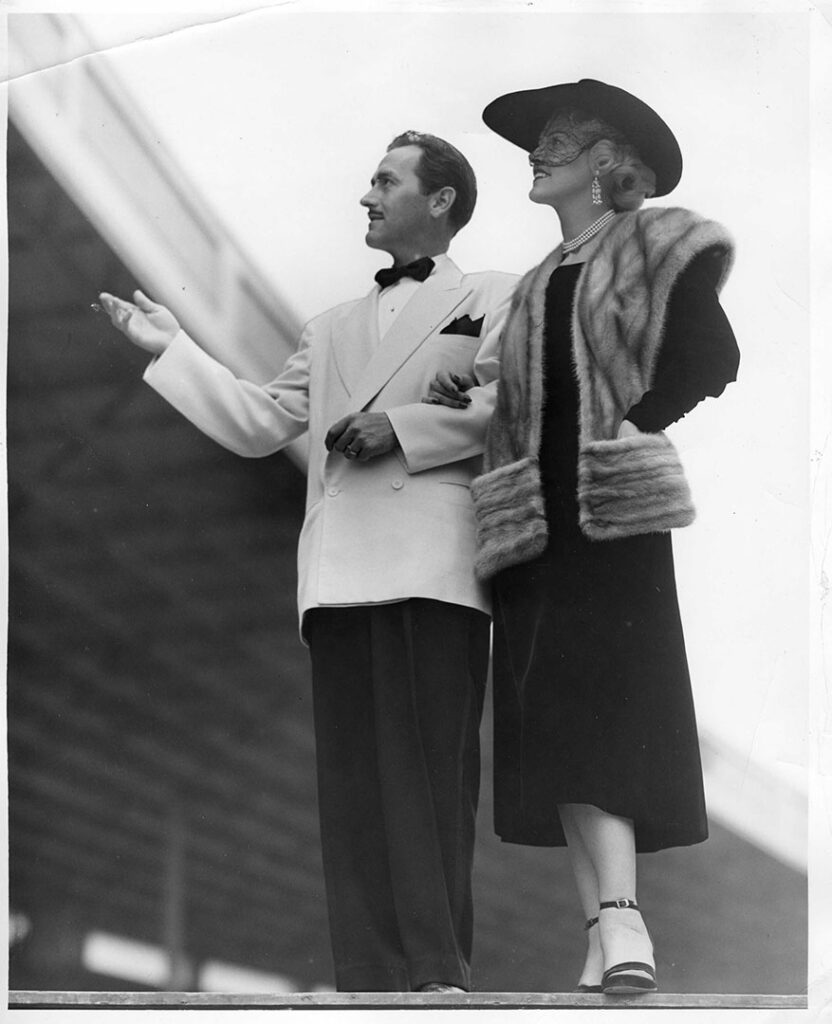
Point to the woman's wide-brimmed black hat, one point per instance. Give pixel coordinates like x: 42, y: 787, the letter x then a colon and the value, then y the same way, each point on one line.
x: 521, y: 116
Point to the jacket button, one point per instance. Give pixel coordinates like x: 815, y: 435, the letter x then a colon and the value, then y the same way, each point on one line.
x: 332, y: 491
x: 397, y: 484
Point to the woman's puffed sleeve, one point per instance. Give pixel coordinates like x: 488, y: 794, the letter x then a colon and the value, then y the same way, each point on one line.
x: 698, y: 356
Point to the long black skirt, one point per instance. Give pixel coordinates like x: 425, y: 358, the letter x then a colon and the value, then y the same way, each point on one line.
x: 592, y: 695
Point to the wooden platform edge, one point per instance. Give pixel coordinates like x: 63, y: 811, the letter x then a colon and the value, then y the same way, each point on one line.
x: 31, y: 1000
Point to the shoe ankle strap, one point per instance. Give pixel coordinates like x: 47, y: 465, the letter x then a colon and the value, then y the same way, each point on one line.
x: 619, y: 905
x: 590, y: 922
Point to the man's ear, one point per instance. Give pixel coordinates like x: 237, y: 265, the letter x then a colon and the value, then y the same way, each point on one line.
x: 442, y: 200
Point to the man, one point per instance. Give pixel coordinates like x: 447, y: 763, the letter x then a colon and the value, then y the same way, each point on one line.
x: 396, y: 624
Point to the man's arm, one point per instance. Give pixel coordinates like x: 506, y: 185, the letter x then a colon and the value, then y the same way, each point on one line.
x: 433, y: 435
x: 249, y: 419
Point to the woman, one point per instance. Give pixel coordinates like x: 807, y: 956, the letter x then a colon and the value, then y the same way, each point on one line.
x: 614, y: 336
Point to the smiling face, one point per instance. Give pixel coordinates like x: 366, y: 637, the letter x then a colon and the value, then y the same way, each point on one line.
x: 560, y: 166
x: 399, y: 212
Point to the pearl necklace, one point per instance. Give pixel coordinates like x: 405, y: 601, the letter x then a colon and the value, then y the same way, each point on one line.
x: 575, y: 243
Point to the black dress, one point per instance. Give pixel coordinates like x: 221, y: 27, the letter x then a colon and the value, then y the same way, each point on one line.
x: 592, y: 696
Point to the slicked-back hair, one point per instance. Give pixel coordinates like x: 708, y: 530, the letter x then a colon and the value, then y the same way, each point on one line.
x: 442, y: 165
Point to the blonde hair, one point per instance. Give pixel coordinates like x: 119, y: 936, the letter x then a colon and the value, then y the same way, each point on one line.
x: 629, y: 181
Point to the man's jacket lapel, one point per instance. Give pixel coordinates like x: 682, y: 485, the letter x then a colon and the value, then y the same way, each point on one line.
x: 356, y: 340
x: 433, y: 303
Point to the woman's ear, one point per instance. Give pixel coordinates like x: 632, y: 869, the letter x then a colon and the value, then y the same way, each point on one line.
x: 603, y: 157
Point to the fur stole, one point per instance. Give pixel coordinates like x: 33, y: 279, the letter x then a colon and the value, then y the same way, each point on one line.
x: 625, y: 486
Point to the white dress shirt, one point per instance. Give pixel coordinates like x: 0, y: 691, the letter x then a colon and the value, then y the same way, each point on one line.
x: 392, y: 300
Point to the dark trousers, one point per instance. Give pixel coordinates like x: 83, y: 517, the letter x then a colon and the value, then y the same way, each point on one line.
x: 398, y: 694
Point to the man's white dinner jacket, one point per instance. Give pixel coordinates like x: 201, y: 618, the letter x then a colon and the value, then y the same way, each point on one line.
x: 400, y: 525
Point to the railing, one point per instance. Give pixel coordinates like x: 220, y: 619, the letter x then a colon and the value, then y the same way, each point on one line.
x: 397, y: 1000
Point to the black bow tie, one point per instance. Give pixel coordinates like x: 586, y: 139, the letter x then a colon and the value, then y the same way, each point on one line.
x: 418, y: 270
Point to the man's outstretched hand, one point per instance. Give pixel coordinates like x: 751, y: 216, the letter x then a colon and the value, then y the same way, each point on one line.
x: 145, y: 323
x: 362, y: 436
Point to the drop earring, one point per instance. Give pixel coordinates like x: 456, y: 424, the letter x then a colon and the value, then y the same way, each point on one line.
x: 596, y: 191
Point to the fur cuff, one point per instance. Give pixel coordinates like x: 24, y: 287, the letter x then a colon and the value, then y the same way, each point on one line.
x: 511, y: 520
x: 630, y: 486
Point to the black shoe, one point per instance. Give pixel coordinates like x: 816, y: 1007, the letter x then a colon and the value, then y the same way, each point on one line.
x: 620, y: 979
x: 631, y: 977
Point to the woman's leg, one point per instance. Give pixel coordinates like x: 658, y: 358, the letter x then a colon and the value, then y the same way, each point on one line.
x: 587, y: 884
x: 609, y: 842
